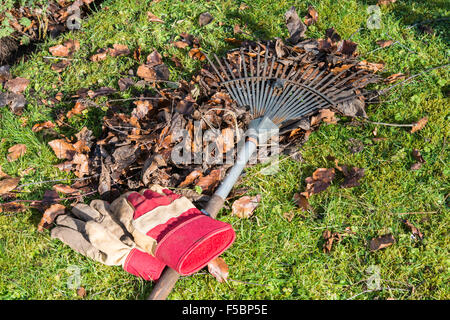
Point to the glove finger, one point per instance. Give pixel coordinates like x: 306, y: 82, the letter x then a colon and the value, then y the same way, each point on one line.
x: 77, y: 241
x: 135, y: 199
x: 150, y: 194
x: 70, y: 222
x: 115, y: 250
x: 157, y: 188
x: 110, y: 222
x: 85, y: 213
x: 123, y: 211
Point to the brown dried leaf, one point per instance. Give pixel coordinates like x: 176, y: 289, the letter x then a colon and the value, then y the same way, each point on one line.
x: 49, y: 216
x: 384, y: 43
x: 59, y: 51
x: 119, y: 50
x: 352, y: 175
x: 13, y: 207
x: 99, y: 56
x: 312, y: 16
x: 381, y: 242
x: 414, y: 230
x: 419, y: 124
x: 385, y: 2
x: 65, y: 189
x: 294, y: 25
x: 370, y: 66
x: 301, y: 201
x: 190, y: 178
x: 196, y: 54
x: 326, y: 115
x: 209, y: 182
x: 205, y: 18
x: 78, y: 108
x: 17, y: 85
x: 319, y: 181
x: 142, y: 108
x: 329, y: 239
x: 62, y: 149
x: 244, y: 207
x: 156, y: 72
x: 8, y: 184
x: 152, y: 18
x: 81, y: 292
x: 219, y: 269
x: 16, y: 151
x: 394, y: 77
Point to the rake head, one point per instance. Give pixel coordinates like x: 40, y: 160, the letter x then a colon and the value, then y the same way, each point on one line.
x: 285, y: 90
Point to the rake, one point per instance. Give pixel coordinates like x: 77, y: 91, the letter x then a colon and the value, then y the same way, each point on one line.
x: 276, y: 93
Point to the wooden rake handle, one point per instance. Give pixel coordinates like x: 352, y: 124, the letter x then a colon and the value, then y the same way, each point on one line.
x: 169, y: 278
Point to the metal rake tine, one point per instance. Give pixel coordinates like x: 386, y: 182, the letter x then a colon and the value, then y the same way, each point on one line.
x: 248, y: 95
x: 215, y: 69
x: 232, y: 93
x: 263, y: 84
x: 240, y: 98
x: 275, y: 96
x: 258, y: 60
x: 252, y: 80
x: 297, y: 94
x: 268, y: 90
x: 350, y: 85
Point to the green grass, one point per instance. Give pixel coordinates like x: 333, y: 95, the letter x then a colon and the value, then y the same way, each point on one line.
x: 272, y: 257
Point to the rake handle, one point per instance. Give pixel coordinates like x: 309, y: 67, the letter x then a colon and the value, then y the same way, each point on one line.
x: 169, y: 277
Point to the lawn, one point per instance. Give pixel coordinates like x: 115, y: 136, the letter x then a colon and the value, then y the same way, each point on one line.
x: 273, y: 257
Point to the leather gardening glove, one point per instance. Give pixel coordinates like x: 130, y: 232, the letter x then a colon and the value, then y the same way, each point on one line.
x: 96, y: 234
x: 172, y: 229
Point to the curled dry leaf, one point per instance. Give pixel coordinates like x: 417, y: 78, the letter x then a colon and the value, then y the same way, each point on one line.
x: 352, y: 175
x: 219, y: 269
x: 44, y: 125
x: 419, y: 160
x: 301, y: 201
x: 8, y: 184
x: 319, y: 181
x: 415, y: 231
x: 2, y: 174
x: 190, y: 178
x: 196, y: 54
x: 78, y: 108
x: 312, y: 16
x: 49, y: 216
x: 209, y: 182
x: 16, y: 151
x: 419, y: 125
x: 244, y: 207
x: 329, y: 239
x: 381, y: 242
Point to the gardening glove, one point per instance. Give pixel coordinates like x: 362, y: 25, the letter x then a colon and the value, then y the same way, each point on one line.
x: 172, y: 228
x: 96, y: 234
